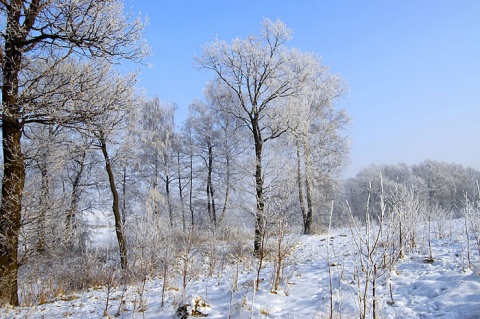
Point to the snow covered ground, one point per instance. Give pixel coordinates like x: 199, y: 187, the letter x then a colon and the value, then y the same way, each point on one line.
x: 448, y: 287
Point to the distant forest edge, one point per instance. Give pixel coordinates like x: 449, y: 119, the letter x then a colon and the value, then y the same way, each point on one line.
x: 447, y: 186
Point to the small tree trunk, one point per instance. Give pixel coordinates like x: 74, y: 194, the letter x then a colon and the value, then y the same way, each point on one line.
x: 124, y: 196
x: 209, y: 203
x: 44, y: 204
x: 156, y: 208
x: 300, y: 188
x: 180, y: 192
x: 227, y: 190
x: 210, y: 183
x: 115, y: 206
x: 308, y: 186
x: 374, y: 293
x: 167, y: 190
x: 190, y: 195
x: 75, y: 197
x: 169, y: 202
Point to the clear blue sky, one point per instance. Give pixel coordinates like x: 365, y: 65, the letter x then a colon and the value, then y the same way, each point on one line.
x: 413, y: 66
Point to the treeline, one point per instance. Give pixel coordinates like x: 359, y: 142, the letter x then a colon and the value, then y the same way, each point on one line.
x: 448, y: 186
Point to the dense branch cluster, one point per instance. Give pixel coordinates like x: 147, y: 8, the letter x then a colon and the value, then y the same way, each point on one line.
x: 50, y: 60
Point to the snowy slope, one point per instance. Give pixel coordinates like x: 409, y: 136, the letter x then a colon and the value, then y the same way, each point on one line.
x: 445, y: 288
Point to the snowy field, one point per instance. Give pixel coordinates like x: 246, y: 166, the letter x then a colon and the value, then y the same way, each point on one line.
x: 448, y: 287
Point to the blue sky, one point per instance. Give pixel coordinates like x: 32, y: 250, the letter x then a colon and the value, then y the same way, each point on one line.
x: 413, y: 66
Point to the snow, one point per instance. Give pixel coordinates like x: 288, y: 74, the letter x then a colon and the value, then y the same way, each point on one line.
x: 448, y: 287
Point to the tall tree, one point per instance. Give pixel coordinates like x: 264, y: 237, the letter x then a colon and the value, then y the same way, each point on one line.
x: 117, y: 101
x: 320, y: 143
x: 49, y: 31
x: 263, y: 75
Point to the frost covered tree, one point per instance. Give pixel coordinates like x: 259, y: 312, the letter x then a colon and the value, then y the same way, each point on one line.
x: 117, y: 101
x: 259, y: 72
x: 156, y: 136
x: 435, y: 181
x: 203, y: 123
x: 230, y: 142
x: 38, y: 36
x: 432, y: 182
x: 215, y: 145
x: 187, y: 149
x: 320, y: 142
x: 264, y: 76
x: 77, y: 173
x: 444, y: 183
x: 43, y: 202
x: 58, y: 164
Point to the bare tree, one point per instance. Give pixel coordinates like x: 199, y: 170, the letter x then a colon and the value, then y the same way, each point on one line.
x: 116, y: 100
x: 188, y: 147
x: 44, y: 201
x: 156, y: 136
x: 230, y: 144
x: 320, y: 142
x: 263, y: 76
x: 49, y: 31
x: 204, y: 125
x: 78, y: 168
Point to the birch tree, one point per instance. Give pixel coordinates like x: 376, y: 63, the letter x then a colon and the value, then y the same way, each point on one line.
x: 320, y: 141
x: 49, y: 31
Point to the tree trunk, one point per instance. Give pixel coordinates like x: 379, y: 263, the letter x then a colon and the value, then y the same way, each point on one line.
x: 115, y: 206
x: 13, y: 166
x: 259, y: 217
x: 167, y: 190
x: 227, y: 191
x: 180, y: 192
x: 190, y: 195
x: 70, y: 224
x: 209, y: 203
x: 124, y: 196
x: 169, y: 202
x: 210, y: 191
x: 300, y: 189
x: 308, y: 186
x: 44, y: 203
x: 10, y: 211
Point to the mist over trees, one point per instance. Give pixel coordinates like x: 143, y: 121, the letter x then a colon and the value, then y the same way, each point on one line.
x: 259, y: 156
